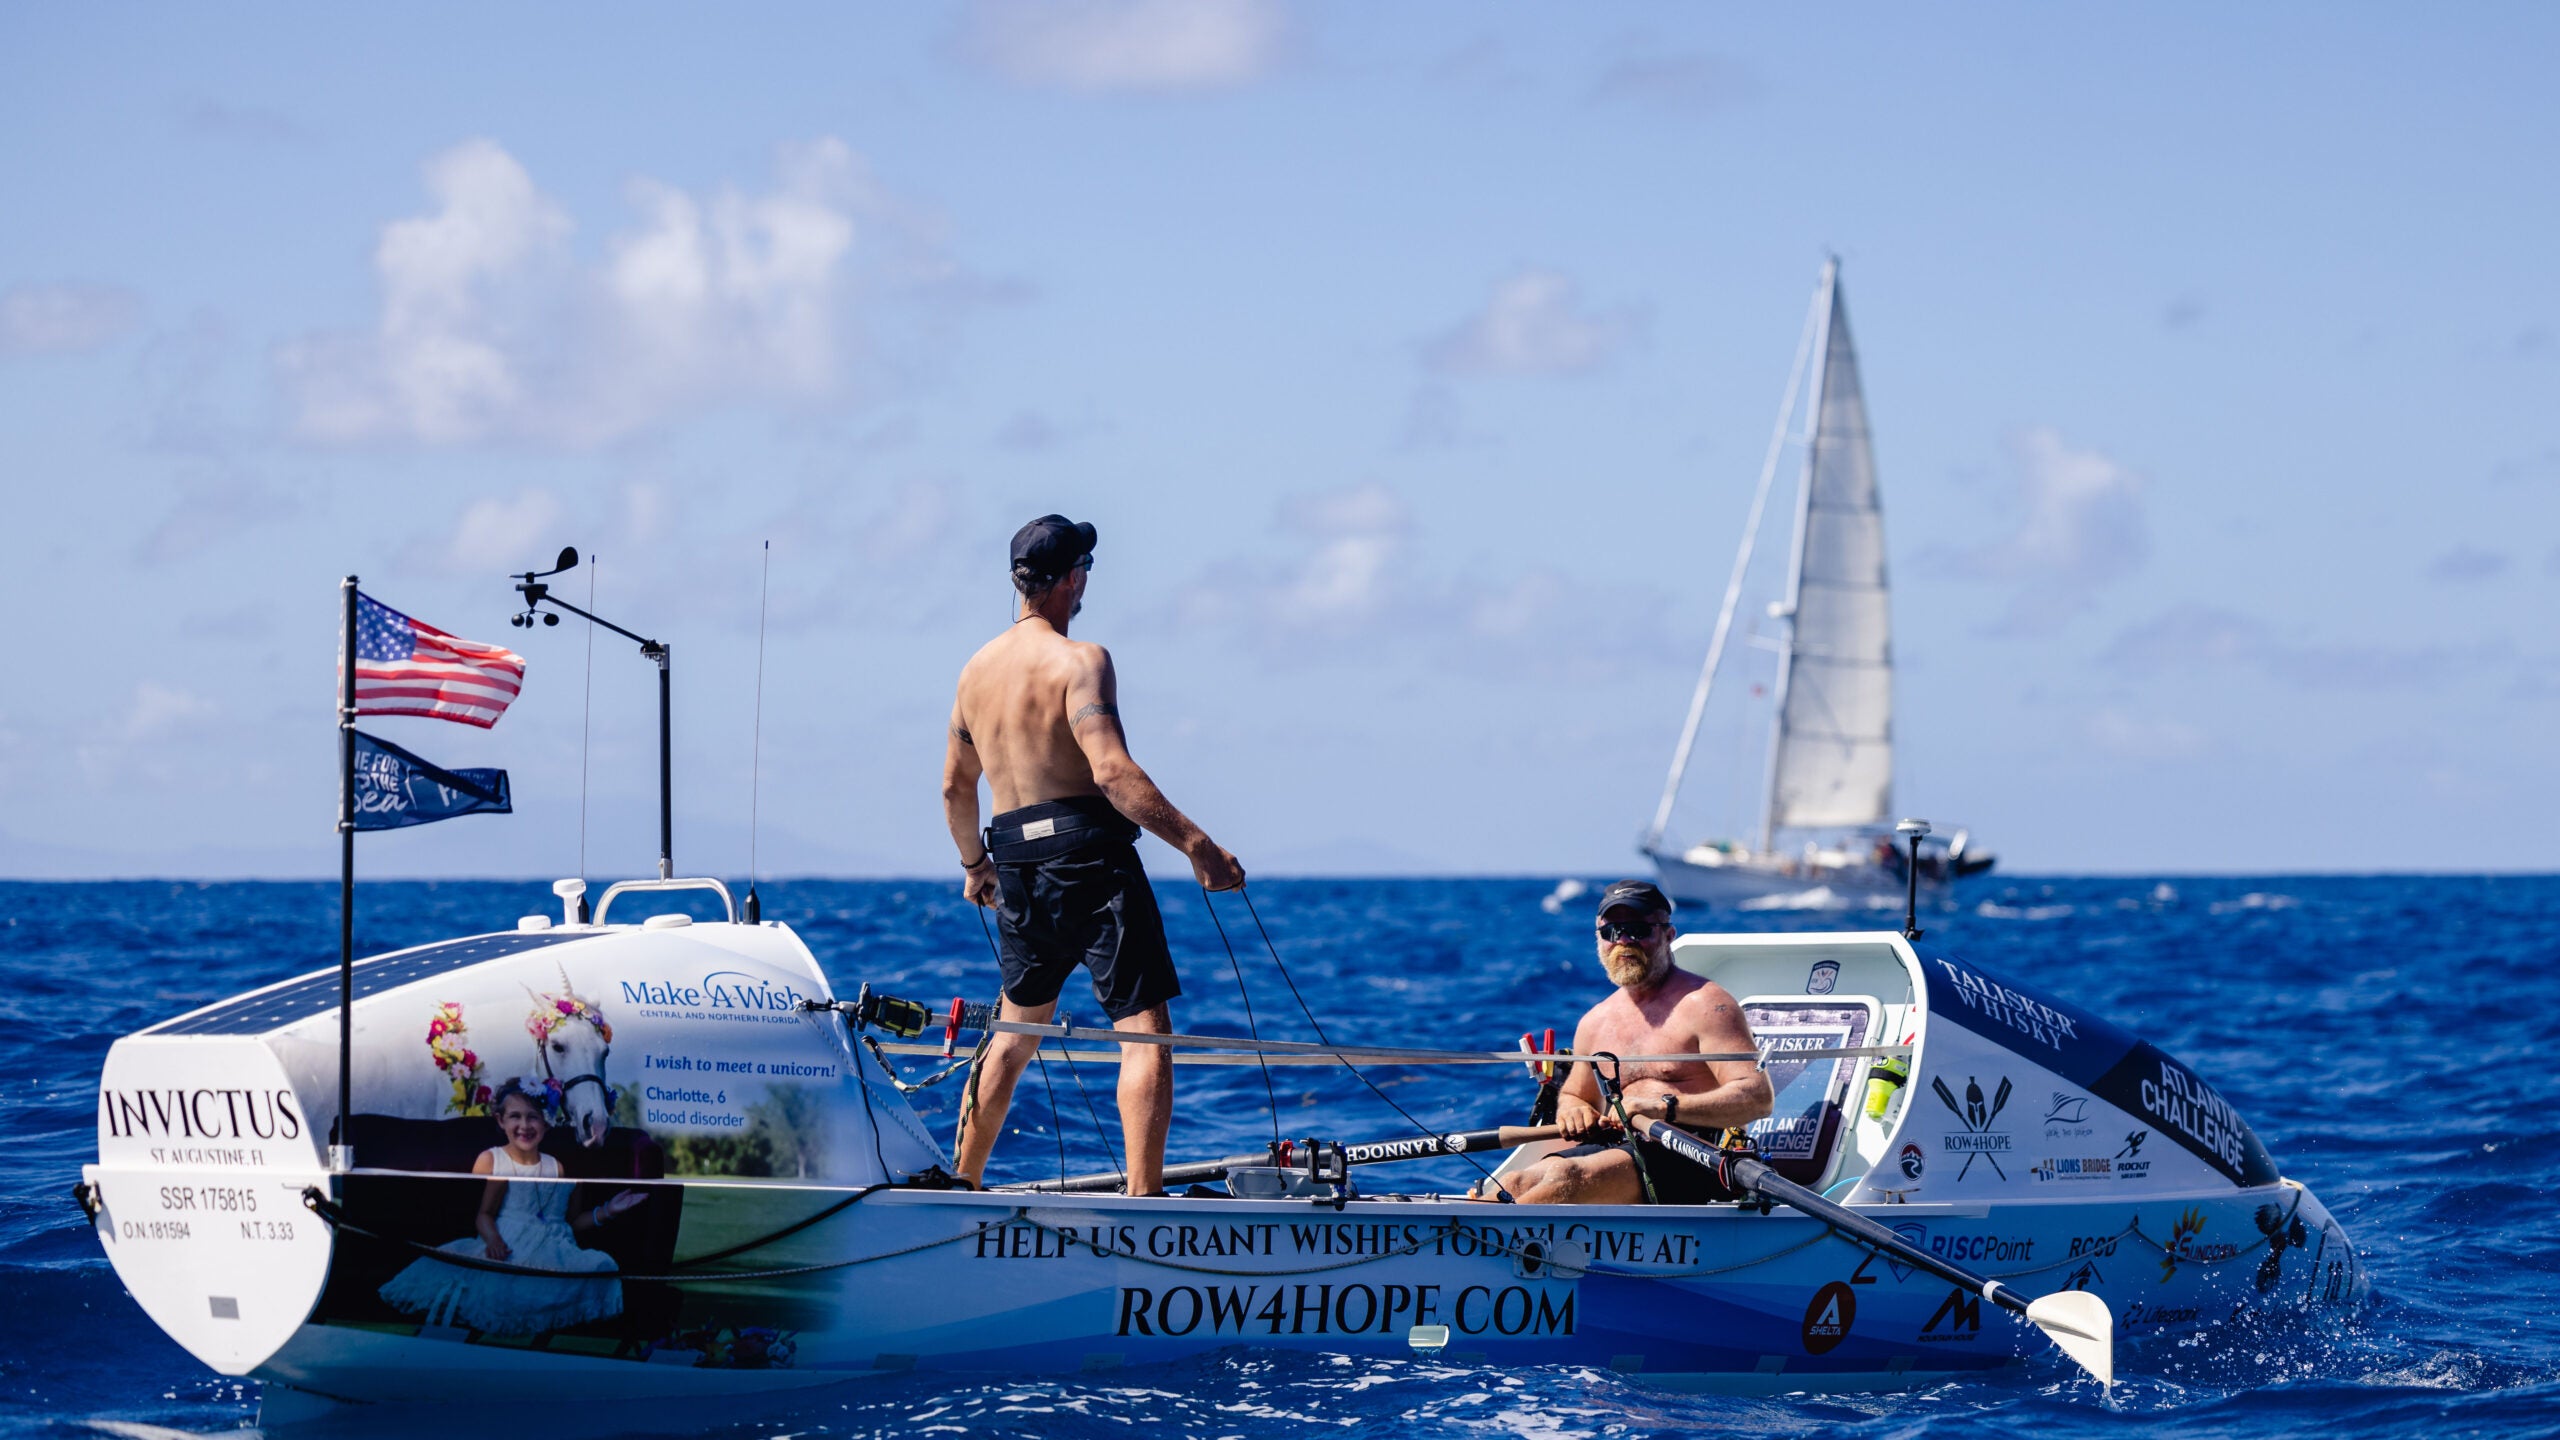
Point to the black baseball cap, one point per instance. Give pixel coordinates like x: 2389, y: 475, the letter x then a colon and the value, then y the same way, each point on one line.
x: 1638, y: 894
x: 1049, y: 547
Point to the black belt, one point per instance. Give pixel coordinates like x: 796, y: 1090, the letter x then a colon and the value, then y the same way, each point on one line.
x: 1052, y: 827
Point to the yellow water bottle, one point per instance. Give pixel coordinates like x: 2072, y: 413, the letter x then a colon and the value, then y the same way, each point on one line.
x: 1888, y: 1076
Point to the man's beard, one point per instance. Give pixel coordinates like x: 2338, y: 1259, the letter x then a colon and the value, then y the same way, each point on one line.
x: 1626, y: 965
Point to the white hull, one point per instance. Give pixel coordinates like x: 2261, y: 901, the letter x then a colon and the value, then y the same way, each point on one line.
x: 1781, y: 882
x: 1705, y: 1297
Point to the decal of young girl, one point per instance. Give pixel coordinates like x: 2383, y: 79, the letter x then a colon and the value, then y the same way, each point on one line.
x: 521, y: 1225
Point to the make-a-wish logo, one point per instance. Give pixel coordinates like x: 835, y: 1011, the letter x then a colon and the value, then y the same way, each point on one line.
x: 721, y: 991
x: 1978, y: 1141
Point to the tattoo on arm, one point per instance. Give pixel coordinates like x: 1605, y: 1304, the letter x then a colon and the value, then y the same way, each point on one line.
x: 961, y: 734
x: 1098, y: 707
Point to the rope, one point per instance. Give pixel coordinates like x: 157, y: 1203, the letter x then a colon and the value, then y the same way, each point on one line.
x: 1616, y: 1093
x: 1448, y: 1228
x: 336, y: 1219
x: 881, y: 1054
x: 1281, y: 1051
x: 1503, y: 1245
x: 1236, y: 968
x: 1318, y: 1025
x: 1091, y: 1113
x: 1329, y: 1055
x: 1057, y: 1122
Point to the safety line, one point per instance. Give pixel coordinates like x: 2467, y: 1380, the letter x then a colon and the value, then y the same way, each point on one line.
x: 1301, y: 1053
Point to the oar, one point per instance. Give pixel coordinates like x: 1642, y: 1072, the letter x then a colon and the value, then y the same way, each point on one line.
x: 1374, y: 1152
x: 2074, y: 1320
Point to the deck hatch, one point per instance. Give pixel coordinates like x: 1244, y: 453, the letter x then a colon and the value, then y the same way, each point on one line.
x: 317, y: 994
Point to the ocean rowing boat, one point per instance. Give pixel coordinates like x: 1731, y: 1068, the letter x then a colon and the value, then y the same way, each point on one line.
x: 793, y: 1226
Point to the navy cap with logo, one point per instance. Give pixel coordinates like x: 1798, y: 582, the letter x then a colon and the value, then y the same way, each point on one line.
x: 1635, y: 895
x: 1049, y: 547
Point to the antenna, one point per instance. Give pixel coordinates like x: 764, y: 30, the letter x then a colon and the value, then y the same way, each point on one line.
x: 1914, y: 829
x: 586, y: 729
x: 754, y: 911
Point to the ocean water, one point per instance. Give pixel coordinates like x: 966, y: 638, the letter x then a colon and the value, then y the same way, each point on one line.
x: 2385, y: 1036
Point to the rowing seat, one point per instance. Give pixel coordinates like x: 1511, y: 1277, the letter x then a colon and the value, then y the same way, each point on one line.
x: 1801, y: 1138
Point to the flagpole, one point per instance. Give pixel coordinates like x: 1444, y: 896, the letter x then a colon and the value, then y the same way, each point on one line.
x: 342, y: 1152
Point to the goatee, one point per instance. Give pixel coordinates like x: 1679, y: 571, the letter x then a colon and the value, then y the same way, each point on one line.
x: 1627, y: 969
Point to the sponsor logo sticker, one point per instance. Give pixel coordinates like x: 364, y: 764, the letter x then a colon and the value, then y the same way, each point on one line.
x: 1958, y: 1317
x: 1827, y: 1318
x: 1977, y: 1113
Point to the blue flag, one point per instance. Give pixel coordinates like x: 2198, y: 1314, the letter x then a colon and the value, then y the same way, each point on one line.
x: 395, y: 788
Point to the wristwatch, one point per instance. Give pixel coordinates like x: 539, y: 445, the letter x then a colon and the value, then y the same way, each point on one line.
x: 1671, y: 1109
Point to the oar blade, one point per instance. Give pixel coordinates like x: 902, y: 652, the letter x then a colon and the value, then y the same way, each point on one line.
x: 2082, y: 1326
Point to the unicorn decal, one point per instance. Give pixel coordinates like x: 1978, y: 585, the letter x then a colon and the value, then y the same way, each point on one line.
x: 571, y: 1041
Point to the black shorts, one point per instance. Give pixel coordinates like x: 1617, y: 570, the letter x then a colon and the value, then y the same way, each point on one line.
x: 1080, y: 898
x: 1677, y: 1180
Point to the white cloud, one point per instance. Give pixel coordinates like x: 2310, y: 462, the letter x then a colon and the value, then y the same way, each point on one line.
x: 494, y: 534
x: 491, y: 329
x: 161, y: 710
x: 1357, y: 537
x: 63, y: 319
x: 1534, y: 323
x: 1346, y: 571
x: 1132, y: 45
x: 1351, y: 578
x: 2080, y: 529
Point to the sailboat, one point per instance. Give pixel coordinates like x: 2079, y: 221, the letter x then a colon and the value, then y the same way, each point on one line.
x: 1828, y: 790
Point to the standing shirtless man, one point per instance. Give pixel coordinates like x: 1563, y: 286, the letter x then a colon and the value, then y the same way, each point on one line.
x: 1659, y: 1009
x: 1038, y: 715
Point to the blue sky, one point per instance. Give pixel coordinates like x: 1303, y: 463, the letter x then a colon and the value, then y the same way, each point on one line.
x: 1414, y: 362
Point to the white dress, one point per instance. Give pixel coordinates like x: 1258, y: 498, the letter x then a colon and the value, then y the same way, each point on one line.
x: 533, y: 1220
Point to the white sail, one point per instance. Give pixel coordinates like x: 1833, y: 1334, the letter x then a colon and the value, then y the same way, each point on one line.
x: 1833, y: 758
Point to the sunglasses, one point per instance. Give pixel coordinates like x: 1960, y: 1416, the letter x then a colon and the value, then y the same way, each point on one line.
x: 1641, y: 930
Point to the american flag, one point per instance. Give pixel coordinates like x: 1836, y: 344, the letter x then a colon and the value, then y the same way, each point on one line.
x: 408, y: 667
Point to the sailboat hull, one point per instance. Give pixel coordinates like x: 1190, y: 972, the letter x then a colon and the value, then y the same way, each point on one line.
x: 1786, y: 881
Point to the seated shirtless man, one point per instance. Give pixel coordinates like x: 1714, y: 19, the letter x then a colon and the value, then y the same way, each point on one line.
x: 1659, y: 1010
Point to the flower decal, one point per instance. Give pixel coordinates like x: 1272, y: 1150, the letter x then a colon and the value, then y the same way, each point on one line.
x: 446, y: 1034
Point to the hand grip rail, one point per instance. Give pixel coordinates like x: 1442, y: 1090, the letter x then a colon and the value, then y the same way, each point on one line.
x: 620, y: 886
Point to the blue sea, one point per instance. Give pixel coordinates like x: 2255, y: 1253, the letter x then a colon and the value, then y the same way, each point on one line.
x: 2382, y: 1035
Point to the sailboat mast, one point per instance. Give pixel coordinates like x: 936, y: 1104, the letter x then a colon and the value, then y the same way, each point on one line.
x: 1823, y: 306
x: 1733, y: 585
